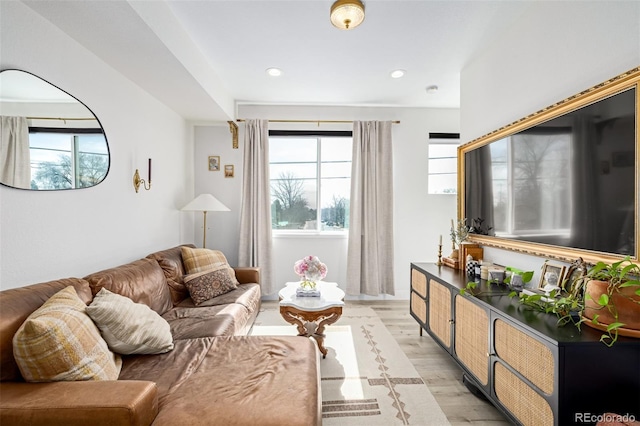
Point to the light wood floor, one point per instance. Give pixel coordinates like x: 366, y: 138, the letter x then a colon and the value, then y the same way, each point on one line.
x: 435, y: 366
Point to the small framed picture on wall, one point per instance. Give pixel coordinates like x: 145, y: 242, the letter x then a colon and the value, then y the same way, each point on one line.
x: 228, y: 171
x: 214, y: 163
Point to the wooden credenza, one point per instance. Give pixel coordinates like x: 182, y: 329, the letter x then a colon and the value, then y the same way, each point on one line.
x: 535, y: 372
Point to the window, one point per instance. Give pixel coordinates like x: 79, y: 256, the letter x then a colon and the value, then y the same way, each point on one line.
x: 67, y: 159
x: 443, y: 164
x: 310, y: 181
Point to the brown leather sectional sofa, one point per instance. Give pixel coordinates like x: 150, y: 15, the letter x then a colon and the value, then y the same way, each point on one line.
x: 215, y: 374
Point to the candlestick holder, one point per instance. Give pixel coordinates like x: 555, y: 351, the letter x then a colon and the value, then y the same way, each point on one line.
x: 439, y: 262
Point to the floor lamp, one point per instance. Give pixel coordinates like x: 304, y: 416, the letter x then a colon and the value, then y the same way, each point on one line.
x: 205, y: 203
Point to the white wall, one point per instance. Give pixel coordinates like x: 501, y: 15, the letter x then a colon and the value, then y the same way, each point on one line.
x: 222, y: 227
x: 419, y: 218
x: 556, y: 50
x: 49, y: 235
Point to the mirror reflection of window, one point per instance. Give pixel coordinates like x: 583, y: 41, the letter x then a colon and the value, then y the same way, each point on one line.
x: 531, y: 184
x: 64, y: 160
x: 49, y: 139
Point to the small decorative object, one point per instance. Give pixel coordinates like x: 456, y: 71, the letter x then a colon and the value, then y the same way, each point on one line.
x: 576, y: 270
x: 228, y: 171
x: 484, y: 270
x: 517, y: 278
x: 214, y: 163
x: 471, y: 266
x: 307, y: 292
x: 496, y: 275
x: 310, y: 270
x: 439, y: 263
x: 458, y: 234
x: 551, y: 278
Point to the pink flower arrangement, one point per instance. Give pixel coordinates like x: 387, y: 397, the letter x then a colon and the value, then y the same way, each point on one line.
x: 310, y: 268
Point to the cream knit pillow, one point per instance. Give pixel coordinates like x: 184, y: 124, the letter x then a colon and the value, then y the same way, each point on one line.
x: 59, y: 342
x: 128, y: 327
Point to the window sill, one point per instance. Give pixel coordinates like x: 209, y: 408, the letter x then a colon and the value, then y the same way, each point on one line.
x: 310, y: 234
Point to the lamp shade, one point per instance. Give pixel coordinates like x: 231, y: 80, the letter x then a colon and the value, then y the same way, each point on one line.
x: 347, y: 14
x: 206, y: 203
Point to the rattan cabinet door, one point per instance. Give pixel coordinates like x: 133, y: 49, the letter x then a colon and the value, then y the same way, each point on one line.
x: 524, y: 396
x: 472, y: 338
x: 418, y: 297
x: 440, y: 318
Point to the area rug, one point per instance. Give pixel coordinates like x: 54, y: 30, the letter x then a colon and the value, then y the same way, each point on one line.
x: 366, y: 378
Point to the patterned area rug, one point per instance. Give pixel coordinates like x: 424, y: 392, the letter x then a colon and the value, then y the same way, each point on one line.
x: 366, y: 378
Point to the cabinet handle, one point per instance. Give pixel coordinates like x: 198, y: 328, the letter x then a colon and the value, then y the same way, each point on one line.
x: 452, y: 321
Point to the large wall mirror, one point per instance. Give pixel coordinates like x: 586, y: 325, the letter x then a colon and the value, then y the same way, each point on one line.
x: 49, y: 139
x: 561, y: 183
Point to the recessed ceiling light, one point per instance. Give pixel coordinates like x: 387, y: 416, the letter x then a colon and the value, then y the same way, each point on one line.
x: 397, y: 73
x: 274, y: 72
x: 432, y: 89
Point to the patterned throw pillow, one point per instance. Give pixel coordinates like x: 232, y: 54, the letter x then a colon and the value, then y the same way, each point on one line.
x: 200, y: 259
x: 209, y: 284
x: 129, y: 327
x: 59, y: 342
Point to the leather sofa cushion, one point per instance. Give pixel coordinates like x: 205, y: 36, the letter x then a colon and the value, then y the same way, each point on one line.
x: 142, y: 281
x: 234, y: 380
x: 17, y: 304
x: 106, y: 403
x: 211, y: 321
x: 247, y: 295
x: 170, y: 260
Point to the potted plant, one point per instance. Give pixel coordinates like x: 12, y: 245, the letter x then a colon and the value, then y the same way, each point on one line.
x: 459, y: 233
x: 612, y: 299
x: 606, y: 297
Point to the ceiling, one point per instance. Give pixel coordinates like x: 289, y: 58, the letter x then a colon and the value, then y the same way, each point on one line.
x: 203, y: 58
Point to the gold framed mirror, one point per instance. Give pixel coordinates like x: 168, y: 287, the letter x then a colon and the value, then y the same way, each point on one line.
x: 563, y: 182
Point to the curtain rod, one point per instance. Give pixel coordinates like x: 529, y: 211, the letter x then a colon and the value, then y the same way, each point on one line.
x: 61, y: 119
x: 241, y: 120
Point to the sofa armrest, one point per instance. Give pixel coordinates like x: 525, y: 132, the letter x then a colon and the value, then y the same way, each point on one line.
x: 248, y: 274
x: 108, y: 403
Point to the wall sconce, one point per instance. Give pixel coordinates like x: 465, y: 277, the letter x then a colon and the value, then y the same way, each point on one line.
x: 137, y: 181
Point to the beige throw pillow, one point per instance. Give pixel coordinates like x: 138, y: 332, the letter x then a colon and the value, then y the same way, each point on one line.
x: 200, y: 259
x: 129, y: 327
x: 59, y: 342
x: 208, y: 284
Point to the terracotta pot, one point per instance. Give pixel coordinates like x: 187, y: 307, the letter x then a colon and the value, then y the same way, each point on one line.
x: 628, y: 310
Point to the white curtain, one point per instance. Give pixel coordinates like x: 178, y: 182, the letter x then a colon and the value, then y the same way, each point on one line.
x: 15, y: 161
x: 255, y: 216
x: 370, y: 252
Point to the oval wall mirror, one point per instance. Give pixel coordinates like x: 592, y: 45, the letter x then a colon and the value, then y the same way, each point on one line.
x: 49, y: 140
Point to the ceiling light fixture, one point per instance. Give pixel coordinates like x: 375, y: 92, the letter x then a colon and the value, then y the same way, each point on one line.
x: 347, y: 14
x: 397, y: 73
x: 274, y: 72
x: 432, y: 89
